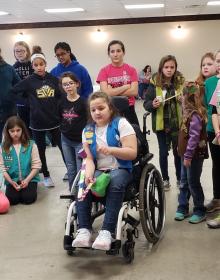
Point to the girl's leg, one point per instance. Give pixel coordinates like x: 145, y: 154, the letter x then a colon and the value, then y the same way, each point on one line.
x: 215, y: 154
x: 56, y: 136
x: 183, y: 197
x: 13, y: 196
x: 177, y: 159
x: 29, y: 194
x: 39, y: 138
x: 84, y: 212
x: 194, y: 174
x: 163, y: 154
x: 73, y: 163
x: 120, y: 178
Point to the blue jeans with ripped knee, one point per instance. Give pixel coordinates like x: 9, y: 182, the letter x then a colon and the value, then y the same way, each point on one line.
x: 120, y: 178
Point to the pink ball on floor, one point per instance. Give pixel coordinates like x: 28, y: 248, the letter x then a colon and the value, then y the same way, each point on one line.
x: 4, y: 203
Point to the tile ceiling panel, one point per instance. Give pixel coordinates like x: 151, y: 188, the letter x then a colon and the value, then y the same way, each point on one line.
x: 33, y: 10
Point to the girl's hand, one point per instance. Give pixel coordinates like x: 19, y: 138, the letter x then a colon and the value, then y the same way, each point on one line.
x: 16, y: 186
x: 104, y: 150
x: 24, y: 183
x: 187, y: 162
x: 89, y: 180
x: 156, y: 103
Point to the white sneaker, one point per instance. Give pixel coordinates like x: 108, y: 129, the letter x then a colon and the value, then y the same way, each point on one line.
x: 103, y: 241
x: 83, y: 238
x: 166, y: 185
x: 48, y: 183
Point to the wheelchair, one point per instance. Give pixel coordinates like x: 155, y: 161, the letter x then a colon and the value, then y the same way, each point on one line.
x: 145, y: 195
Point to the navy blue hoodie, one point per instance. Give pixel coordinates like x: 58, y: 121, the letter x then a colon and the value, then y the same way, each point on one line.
x: 43, y: 94
x: 82, y: 74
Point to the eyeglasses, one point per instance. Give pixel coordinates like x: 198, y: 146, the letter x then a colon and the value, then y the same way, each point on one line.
x: 68, y: 84
x: 61, y: 54
x: 19, y: 51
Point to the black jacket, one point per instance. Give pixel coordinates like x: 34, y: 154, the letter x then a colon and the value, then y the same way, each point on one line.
x: 43, y: 94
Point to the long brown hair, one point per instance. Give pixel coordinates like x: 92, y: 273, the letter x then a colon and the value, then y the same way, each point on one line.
x: 106, y: 99
x: 201, y: 79
x: 193, y: 101
x: 11, y: 123
x: 177, y: 79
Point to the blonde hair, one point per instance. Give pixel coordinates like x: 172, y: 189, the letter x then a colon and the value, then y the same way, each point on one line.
x: 25, y: 45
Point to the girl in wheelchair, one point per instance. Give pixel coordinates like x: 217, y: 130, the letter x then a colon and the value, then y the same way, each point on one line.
x: 110, y: 145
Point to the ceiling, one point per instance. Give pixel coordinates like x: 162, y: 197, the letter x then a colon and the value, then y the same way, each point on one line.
x: 29, y: 11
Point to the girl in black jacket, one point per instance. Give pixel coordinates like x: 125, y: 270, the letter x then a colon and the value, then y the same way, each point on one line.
x: 42, y: 91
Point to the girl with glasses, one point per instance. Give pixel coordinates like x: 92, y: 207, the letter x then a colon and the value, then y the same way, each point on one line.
x: 73, y: 119
x: 68, y: 63
x: 24, y: 69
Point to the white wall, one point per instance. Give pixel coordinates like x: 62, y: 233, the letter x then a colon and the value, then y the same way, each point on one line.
x: 145, y: 44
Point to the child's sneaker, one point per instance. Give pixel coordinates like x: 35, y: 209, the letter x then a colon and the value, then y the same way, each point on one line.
x: 179, y: 216
x: 103, y: 241
x: 166, y: 185
x: 214, y: 223
x: 48, y: 183
x: 213, y: 205
x: 83, y: 238
x: 195, y: 219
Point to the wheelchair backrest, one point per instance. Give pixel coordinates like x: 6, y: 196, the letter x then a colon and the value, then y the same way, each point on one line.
x: 121, y: 103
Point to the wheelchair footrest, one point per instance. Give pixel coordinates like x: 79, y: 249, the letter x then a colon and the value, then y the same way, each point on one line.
x: 115, y: 247
x: 67, y: 243
x: 132, y: 221
x: 68, y: 196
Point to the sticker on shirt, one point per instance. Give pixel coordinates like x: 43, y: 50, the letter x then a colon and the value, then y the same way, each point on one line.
x: 89, y: 135
x: 45, y: 92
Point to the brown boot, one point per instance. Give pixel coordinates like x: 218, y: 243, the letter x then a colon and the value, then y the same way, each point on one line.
x: 213, y: 205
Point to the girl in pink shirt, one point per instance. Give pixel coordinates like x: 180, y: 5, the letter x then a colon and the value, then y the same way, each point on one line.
x: 119, y: 78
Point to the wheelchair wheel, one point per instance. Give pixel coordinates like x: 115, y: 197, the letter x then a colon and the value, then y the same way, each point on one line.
x: 151, y: 203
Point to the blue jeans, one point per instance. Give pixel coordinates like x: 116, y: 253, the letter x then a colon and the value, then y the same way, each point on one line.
x: 164, y: 153
x: 73, y: 162
x: 191, y: 185
x: 120, y: 178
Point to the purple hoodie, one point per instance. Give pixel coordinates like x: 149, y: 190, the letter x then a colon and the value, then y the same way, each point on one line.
x: 195, y: 128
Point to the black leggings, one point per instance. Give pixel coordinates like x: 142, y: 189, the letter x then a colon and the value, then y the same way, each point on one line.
x: 215, y: 154
x: 27, y: 195
x: 39, y: 138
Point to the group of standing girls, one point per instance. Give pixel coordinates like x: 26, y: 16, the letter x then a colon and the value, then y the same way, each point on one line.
x: 179, y: 118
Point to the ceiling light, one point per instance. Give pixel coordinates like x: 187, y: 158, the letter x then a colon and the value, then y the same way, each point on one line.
x: 99, y: 36
x: 64, y: 10
x: 3, y: 13
x: 179, y: 32
x: 144, y: 6
x: 213, y: 3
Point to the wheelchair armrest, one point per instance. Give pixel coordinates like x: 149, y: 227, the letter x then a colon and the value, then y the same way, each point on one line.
x: 67, y: 196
